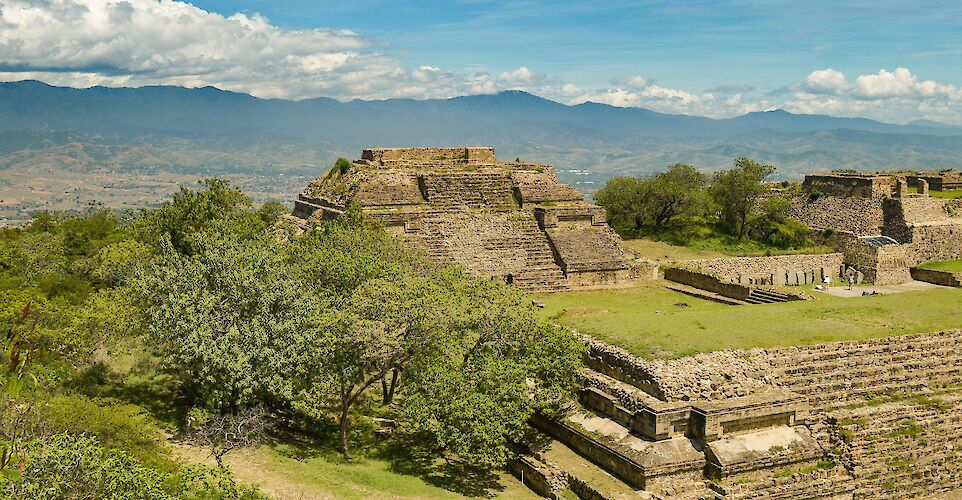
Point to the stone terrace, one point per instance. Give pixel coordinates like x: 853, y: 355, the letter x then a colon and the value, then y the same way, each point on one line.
x: 504, y: 220
x: 879, y: 418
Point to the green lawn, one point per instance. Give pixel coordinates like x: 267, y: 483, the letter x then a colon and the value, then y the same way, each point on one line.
x: 648, y: 320
x: 661, y: 251
x: 954, y: 266
x: 285, y: 471
x: 949, y: 195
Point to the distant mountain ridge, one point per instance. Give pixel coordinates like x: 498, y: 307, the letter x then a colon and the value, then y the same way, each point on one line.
x: 208, y: 110
x: 605, y: 139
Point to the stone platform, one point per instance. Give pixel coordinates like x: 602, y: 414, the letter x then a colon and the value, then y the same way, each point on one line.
x: 504, y: 220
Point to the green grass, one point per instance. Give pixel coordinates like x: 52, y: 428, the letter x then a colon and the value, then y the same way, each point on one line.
x: 647, y: 321
x: 700, y: 240
x: 953, y: 266
x: 947, y: 195
x: 661, y: 251
x: 292, y: 471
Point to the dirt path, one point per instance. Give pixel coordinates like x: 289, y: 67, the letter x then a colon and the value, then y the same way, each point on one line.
x: 248, y: 469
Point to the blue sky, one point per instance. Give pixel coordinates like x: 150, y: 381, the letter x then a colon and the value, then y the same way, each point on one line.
x: 894, y: 61
x: 697, y: 45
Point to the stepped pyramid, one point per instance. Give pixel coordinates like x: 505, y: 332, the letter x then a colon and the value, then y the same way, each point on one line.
x: 506, y: 220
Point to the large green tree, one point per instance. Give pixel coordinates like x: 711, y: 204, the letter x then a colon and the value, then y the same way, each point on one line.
x: 473, y: 393
x: 736, y: 193
x: 655, y: 201
x: 232, y: 318
x: 673, y: 193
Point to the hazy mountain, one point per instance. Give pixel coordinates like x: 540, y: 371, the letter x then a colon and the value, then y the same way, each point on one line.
x: 185, y: 129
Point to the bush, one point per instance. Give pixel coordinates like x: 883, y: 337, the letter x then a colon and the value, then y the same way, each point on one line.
x: 78, y: 467
x: 67, y: 467
x: 116, y: 425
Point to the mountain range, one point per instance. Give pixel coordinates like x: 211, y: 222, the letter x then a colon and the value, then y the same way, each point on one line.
x: 207, y: 131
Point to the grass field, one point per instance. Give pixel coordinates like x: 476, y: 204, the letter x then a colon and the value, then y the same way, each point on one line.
x: 286, y: 471
x: 948, y: 195
x: 651, y: 321
x: 661, y: 251
x: 954, y: 266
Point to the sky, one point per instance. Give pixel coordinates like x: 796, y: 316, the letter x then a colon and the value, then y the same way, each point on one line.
x: 894, y: 61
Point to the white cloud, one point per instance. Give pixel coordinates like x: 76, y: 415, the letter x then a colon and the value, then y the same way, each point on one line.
x: 826, y: 80
x: 642, y: 92
x: 898, y: 83
x: 83, y: 43
x: 896, y: 96
x: 520, y: 76
x: 147, y: 42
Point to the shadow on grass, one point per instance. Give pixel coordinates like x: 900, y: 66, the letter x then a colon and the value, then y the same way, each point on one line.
x: 410, y: 457
x: 152, y: 391
x: 467, y: 480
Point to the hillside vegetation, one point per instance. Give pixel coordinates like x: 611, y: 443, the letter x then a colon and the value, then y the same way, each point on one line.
x: 206, y: 323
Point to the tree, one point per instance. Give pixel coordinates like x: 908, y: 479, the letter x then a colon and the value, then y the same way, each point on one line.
x: 632, y: 203
x: 233, y: 319
x: 624, y: 202
x: 383, y: 326
x: 221, y: 433
x: 189, y: 213
x: 673, y: 193
x: 776, y: 228
x: 736, y: 192
x: 473, y: 393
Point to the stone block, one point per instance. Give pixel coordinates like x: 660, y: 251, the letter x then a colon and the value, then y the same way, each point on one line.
x: 778, y: 278
x: 859, y: 277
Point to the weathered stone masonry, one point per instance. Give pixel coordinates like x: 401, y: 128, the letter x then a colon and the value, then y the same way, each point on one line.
x: 879, y: 418
x: 506, y: 220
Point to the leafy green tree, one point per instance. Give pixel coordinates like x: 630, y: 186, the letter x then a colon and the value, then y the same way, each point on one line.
x: 114, y: 264
x: 632, y: 203
x: 382, y: 327
x: 776, y: 228
x: 189, y: 213
x: 340, y: 255
x: 737, y: 191
x: 673, y: 193
x: 473, y: 392
x: 624, y: 202
x: 67, y: 467
x: 232, y: 318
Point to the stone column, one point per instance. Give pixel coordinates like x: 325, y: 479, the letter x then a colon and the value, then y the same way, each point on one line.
x: 923, y: 187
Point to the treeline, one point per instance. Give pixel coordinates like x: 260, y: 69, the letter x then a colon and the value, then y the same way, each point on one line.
x: 235, y: 327
x: 682, y: 203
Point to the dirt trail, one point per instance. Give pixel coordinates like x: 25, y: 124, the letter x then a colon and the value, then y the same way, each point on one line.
x: 247, y: 467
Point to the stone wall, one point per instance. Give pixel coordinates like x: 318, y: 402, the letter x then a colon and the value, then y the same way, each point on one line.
x: 469, y: 154
x: 736, y: 267
x: 944, y: 278
x: 708, y: 282
x: 612, y: 460
x: 851, y: 185
x: 862, y: 216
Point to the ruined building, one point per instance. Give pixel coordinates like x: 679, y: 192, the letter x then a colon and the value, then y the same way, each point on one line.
x: 877, y: 418
x: 500, y: 219
x: 882, y: 229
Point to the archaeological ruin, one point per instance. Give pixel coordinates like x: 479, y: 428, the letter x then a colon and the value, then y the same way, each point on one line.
x: 501, y: 219
x: 878, y: 418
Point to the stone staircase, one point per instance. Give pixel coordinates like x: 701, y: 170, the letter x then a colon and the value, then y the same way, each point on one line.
x: 889, y: 447
x: 750, y: 447
x: 507, y: 245
x: 842, y: 373
x: 475, y: 189
x: 767, y: 296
